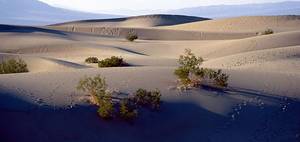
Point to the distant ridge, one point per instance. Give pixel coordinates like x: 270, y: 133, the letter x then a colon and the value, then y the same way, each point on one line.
x: 34, y: 12
x: 225, y: 11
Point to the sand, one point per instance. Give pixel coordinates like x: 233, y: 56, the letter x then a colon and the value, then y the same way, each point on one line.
x: 261, y: 103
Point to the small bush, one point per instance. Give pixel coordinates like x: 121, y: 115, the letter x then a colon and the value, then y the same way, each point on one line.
x: 155, y: 100
x: 13, y: 66
x: 218, y: 78
x: 106, y: 108
x: 183, y: 75
x: 190, y: 74
x: 148, y: 99
x: 266, y: 32
x: 189, y: 61
x: 95, y: 86
x: 128, y: 111
x: 91, y: 60
x: 111, y: 62
x: 108, y: 103
x: 131, y: 37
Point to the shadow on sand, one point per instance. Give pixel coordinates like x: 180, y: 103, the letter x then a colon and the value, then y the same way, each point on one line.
x: 24, y: 121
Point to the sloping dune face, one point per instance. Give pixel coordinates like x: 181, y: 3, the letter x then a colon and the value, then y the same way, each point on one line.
x: 260, y: 104
x: 147, y: 27
x: 244, y: 24
x: 138, y: 21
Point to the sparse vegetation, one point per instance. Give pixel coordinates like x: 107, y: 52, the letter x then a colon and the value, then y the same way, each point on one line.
x: 96, y: 87
x: 92, y: 60
x: 128, y: 110
x: 128, y: 107
x: 106, y: 107
x: 190, y: 74
x: 13, y: 66
x: 266, y: 32
x: 111, y: 62
x: 148, y: 98
x: 132, y: 37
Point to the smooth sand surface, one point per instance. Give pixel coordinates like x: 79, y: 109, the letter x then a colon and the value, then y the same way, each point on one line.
x: 261, y: 103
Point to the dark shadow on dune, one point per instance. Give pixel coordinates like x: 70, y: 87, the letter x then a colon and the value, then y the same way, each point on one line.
x: 246, y: 92
x: 67, y: 63
x: 124, y: 49
x: 28, y: 29
x: 177, y: 121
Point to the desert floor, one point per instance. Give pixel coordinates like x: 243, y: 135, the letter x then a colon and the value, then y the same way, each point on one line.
x: 261, y: 104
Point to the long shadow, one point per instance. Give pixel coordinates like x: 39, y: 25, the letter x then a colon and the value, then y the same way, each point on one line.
x: 246, y: 92
x: 176, y: 121
x: 28, y: 29
x: 124, y: 49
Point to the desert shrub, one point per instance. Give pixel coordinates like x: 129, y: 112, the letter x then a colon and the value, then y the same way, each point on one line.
x: 95, y: 86
x: 190, y: 74
x: 266, y: 32
x: 131, y: 37
x: 217, y: 78
x: 111, y: 62
x: 148, y: 98
x: 91, y: 60
x: 189, y: 61
x: 155, y: 99
x: 183, y: 75
x: 108, y: 103
x: 106, y: 108
x: 13, y: 66
x: 128, y: 110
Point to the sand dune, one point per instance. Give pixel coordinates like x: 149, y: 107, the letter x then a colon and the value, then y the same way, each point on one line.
x: 262, y: 99
x: 137, y: 21
x: 244, y: 24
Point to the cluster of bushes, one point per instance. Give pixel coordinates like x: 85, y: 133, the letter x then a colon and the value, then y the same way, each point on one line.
x: 266, y: 32
x: 131, y: 37
x: 191, y: 75
x: 92, y: 60
x: 13, y: 66
x: 111, y: 62
x: 111, y: 106
x: 108, y: 62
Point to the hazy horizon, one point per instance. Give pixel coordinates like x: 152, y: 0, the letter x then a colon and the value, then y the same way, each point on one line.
x: 137, y: 7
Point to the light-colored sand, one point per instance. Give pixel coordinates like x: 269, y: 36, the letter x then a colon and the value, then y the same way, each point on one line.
x: 244, y: 24
x: 263, y: 100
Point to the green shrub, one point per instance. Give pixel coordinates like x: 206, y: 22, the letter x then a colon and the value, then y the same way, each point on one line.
x: 107, y: 103
x: 128, y: 111
x: 91, y: 60
x: 95, y: 86
x: 13, y: 66
x: 111, y: 62
x: 155, y: 99
x: 189, y: 61
x: 183, y: 75
x: 131, y: 37
x: 191, y: 75
x: 148, y: 99
x: 106, y: 108
x: 141, y: 97
x: 221, y: 79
